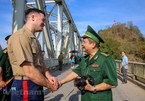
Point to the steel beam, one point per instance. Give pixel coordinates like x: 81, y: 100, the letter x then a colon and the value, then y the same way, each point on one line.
x: 46, y: 30
x: 18, y: 14
x: 60, y: 32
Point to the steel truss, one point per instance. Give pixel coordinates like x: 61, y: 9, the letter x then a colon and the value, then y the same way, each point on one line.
x: 60, y: 33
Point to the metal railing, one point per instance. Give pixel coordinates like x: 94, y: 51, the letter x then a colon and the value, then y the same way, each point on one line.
x: 136, y: 70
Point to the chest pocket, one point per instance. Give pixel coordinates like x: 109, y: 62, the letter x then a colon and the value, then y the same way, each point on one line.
x: 34, y: 46
x: 96, y: 73
x: 35, y: 52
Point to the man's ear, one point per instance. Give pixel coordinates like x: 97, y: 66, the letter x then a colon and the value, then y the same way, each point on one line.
x: 93, y: 44
x: 33, y: 17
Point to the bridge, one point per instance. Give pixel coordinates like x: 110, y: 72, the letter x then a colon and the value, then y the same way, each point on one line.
x: 61, y: 35
x: 134, y: 90
x: 131, y: 91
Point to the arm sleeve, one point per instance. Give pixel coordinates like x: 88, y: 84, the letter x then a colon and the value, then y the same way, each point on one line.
x: 22, y: 50
x: 110, y: 72
x: 77, y: 70
x: 81, y: 67
x: 126, y: 60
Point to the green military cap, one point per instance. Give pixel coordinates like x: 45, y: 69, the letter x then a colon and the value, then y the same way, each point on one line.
x: 90, y: 33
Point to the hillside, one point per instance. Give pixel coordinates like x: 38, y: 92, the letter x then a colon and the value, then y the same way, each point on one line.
x: 124, y: 37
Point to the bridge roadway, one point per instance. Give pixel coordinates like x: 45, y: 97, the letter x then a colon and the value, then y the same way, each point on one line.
x: 123, y: 92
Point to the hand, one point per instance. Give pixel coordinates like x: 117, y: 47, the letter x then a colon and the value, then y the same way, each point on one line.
x: 51, y: 86
x: 2, y: 84
x: 60, y: 83
x: 88, y: 86
x: 54, y: 81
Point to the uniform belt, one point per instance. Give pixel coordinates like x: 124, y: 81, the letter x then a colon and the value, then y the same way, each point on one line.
x: 17, y: 77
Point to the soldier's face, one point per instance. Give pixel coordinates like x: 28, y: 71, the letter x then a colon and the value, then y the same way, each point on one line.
x: 39, y: 22
x: 86, y: 45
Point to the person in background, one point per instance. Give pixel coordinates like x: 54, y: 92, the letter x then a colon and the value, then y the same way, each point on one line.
x: 6, y: 74
x: 73, y: 62
x: 0, y: 47
x: 60, y: 61
x: 100, y: 66
x: 43, y: 52
x: 24, y: 50
x: 78, y: 58
x: 124, y: 66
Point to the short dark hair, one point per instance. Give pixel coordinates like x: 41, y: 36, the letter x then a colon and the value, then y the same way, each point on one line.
x: 28, y: 11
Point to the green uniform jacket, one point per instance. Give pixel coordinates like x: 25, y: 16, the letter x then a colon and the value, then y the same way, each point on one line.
x: 7, y: 73
x: 102, y: 68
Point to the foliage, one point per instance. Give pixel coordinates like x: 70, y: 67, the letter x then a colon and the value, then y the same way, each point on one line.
x: 124, y: 37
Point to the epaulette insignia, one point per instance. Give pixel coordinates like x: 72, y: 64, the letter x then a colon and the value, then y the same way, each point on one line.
x: 104, y: 54
x: 5, y: 51
x: 96, y: 57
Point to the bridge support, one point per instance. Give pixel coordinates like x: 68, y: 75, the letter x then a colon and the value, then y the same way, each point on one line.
x: 19, y: 7
x: 60, y: 33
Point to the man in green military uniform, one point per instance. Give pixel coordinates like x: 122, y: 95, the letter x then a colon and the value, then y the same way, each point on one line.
x: 6, y: 74
x: 100, y: 66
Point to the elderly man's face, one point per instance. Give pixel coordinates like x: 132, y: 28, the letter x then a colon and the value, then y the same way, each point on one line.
x: 86, y: 45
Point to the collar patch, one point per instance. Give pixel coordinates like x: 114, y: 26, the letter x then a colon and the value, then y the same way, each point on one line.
x: 96, y: 57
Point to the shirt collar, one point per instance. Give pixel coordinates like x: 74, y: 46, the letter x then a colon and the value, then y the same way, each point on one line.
x: 94, y: 58
x: 29, y: 33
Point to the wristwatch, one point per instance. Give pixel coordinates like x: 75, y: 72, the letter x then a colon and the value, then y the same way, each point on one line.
x: 95, y: 90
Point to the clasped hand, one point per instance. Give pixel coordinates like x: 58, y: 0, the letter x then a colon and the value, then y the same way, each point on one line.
x: 2, y: 84
x: 55, y: 84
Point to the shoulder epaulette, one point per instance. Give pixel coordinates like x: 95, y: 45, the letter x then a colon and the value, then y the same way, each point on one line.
x: 104, y: 54
x: 5, y: 51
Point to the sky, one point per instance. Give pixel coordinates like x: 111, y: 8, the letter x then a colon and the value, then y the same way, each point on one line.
x: 100, y: 14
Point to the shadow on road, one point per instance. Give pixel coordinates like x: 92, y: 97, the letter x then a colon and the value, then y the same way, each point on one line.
x: 57, y: 98
x: 75, y: 97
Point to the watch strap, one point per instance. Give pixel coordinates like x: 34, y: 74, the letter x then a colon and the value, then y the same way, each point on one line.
x: 95, y: 90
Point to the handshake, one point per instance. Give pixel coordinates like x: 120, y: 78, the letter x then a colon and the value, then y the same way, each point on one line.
x: 53, y: 84
x: 80, y: 83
